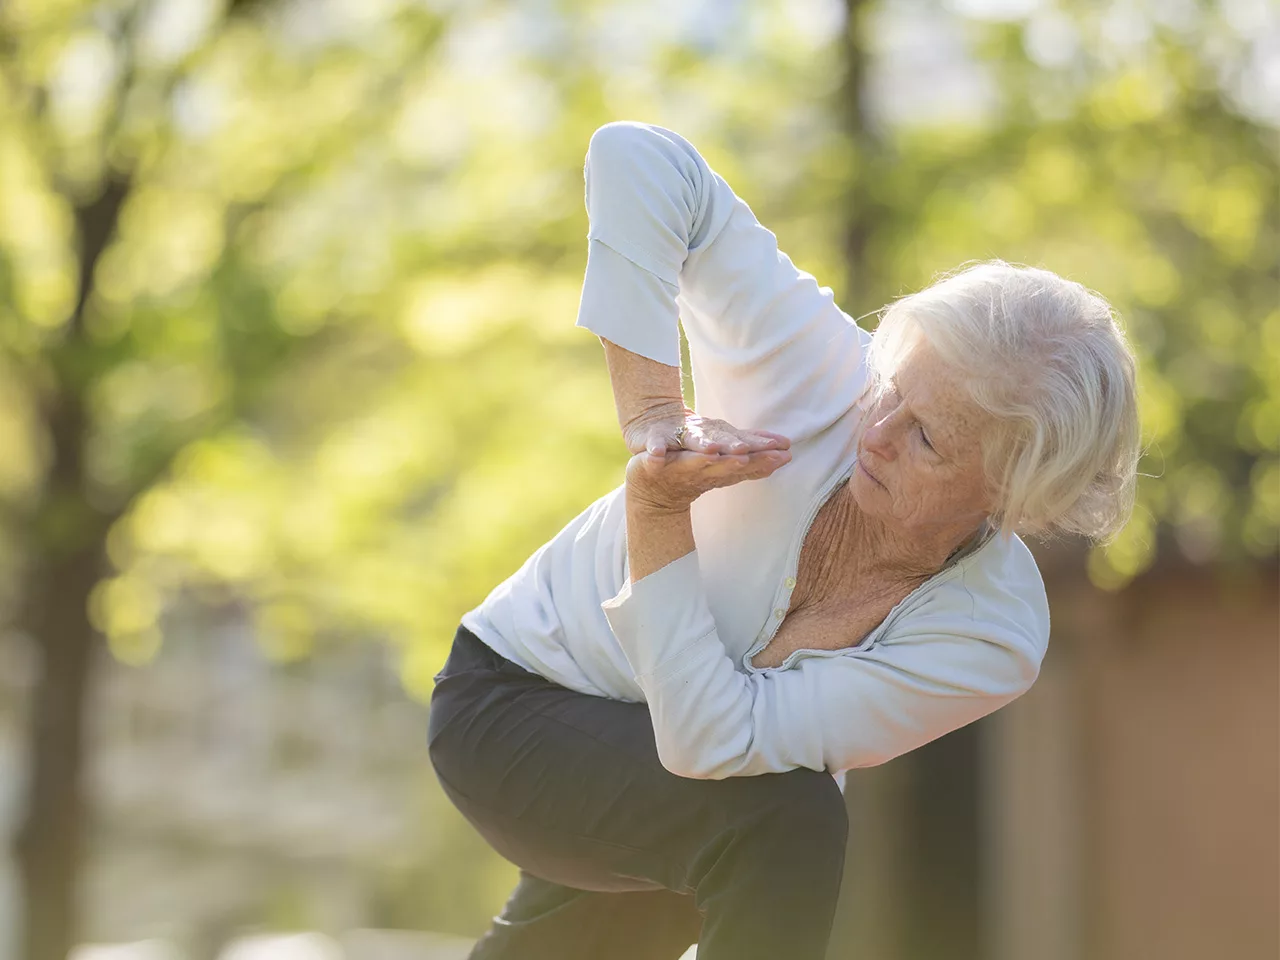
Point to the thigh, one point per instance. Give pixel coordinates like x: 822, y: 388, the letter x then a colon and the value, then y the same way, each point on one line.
x: 546, y: 921
x: 570, y: 788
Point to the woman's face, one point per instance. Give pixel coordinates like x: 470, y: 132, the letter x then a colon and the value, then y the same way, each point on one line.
x: 919, y: 465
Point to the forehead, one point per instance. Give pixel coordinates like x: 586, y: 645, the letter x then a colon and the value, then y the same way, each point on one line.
x: 936, y: 393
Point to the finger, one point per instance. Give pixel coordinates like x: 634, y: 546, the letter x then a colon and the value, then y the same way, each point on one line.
x: 773, y: 464
x: 727, y: 464
x: 741, y: 476
x: 759, y: 443
x: 751, y: 441
x: 763, y: 464
x: 731, y: 440
x: 656, y: 439
x: 778, y: 440
x: 666, y: 459
x: 689, y: 461
x: 701, y: 441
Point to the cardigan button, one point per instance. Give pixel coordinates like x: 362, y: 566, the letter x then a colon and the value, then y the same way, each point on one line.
x: 779, y: 613
x: 790, y: 582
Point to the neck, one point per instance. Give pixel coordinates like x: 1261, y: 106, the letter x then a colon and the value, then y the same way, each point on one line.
x: 879, y: 549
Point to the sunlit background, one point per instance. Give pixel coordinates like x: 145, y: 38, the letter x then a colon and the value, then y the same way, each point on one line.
x: 289, y: 379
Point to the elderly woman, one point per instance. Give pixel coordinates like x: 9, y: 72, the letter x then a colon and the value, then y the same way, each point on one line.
x: 647, y: 716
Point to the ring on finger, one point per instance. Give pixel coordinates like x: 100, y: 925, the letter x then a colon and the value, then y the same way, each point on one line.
x: 680, y: 431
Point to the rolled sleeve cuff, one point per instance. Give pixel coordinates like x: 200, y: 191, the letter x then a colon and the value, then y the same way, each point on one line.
x: 630, y: 306
x: 661, y: 619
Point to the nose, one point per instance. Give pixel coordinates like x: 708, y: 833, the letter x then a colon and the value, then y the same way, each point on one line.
x: 878, y: 438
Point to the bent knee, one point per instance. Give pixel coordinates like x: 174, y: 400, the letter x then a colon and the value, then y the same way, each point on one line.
x: 805, y: 803
x: 817, y: 805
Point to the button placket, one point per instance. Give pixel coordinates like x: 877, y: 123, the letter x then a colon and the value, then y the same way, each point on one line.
x: 798, y: 541
x: 780, y: 612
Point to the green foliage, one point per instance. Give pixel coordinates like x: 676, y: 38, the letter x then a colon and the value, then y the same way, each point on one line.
x: 330, y: 362
x: 329, y: 357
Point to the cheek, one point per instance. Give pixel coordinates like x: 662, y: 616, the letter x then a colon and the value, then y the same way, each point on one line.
x: 928, y: 495
x: 964, y: 491
x: 938, y: 493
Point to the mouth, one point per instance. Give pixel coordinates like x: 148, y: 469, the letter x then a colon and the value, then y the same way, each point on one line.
x: 873, y: 477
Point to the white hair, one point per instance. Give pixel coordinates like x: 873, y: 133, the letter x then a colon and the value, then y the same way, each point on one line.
x: 1047, y: 360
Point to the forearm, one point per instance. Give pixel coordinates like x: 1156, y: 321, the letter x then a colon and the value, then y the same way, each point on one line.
x: 655, y: 535
x: 641, y: 386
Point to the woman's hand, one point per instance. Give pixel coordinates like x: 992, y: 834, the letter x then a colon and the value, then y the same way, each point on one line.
x: 673, y: 479
x: 654, y: 431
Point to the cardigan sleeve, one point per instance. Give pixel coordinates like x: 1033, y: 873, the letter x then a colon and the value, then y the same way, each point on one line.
x: 669, y: 242
x: 856, y: 709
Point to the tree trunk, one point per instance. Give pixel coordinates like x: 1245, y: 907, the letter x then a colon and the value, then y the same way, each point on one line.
x: 912, y: 885
x: 66, y: 540
x: 862, y: 207
x: 871, y: 918
x: 48, y: 844
x: 67, y: 547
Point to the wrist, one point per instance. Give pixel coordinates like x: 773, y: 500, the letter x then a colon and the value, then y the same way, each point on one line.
x: 658, y: 531
x: 657, y: 409
x: 642, y: 501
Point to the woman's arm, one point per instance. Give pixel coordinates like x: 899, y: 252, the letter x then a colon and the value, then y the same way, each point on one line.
x: 645, y: 389
x: 655, y: 537
x: 855, y: 709
x: 642, y: 388
x: 669, y: 241
x: 974, y: 646
x: 650, y: 408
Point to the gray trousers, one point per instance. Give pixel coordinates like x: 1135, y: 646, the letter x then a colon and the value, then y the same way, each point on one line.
x: 619, y: 858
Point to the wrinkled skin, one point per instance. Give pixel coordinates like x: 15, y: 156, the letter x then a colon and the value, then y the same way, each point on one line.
x: 920, y: 474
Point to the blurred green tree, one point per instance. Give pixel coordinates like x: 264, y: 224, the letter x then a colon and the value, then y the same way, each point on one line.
x: 197, y: 203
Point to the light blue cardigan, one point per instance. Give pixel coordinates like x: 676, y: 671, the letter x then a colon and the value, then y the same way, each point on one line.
x: 669, y: 241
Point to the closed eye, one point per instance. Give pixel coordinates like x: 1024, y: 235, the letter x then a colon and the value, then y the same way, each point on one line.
x: 925, y: 437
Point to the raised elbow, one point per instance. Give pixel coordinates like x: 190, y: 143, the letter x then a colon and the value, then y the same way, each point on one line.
x: 616, y: 141
x: 1024, y: 670
x: 683, y: 764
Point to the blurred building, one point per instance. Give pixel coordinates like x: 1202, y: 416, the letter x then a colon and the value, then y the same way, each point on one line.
x: 1127, y: 807
x: 219, y: 780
